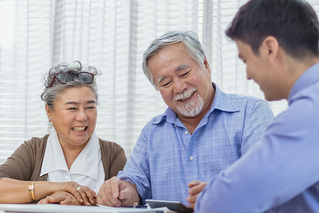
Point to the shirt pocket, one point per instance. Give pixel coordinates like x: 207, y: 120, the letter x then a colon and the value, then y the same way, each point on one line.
x: 216, y: 159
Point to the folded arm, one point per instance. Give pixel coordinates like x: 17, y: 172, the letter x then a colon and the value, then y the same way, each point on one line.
x: 16, y: 191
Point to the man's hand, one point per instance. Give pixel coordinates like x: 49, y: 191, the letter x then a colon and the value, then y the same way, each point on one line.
x: 114, y: 192
x: 60, y: 197
x: 195, y: 188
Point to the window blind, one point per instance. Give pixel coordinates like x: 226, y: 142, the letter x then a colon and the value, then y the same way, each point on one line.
x: 111, y: 35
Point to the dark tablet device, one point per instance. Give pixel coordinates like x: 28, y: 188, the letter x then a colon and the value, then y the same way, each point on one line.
x: 171, y: 205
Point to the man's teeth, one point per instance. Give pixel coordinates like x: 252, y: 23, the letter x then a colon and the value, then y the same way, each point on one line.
x: 78, y: 129
x: 188, y: 96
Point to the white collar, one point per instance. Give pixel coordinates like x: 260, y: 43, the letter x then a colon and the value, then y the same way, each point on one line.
x: 85, y: 164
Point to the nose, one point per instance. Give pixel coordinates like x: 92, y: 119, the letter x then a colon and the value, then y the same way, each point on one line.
x: 179, y: 85
x: 81, y: 115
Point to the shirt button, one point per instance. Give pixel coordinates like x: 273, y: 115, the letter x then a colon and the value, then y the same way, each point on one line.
x: 174, y: 125
x: 191, y: 158
x: 186, y: 132
x: 67, y: 177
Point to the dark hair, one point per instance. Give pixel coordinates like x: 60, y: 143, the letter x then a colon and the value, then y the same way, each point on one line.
x: 51, y: 92
x: 293, y: 23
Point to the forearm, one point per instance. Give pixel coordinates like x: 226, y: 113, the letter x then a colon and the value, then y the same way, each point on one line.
x: 135, y: 198
x: 16, y: 191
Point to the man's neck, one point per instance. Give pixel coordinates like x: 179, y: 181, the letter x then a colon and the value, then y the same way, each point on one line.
x: 297, y: 68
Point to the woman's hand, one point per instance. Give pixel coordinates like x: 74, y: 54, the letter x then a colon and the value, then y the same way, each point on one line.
x: 16, y: 191
x: 83, y: 194
x: 61, y: 197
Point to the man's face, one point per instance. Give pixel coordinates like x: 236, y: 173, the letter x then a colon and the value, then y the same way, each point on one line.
x: 184, y: 85
x: 259, y: 70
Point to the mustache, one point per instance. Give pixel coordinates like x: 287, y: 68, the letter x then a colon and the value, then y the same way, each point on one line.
x: 185, y: 94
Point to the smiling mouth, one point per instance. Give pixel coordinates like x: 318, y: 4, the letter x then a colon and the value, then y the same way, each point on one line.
x: 79, y: 129
x: 187, y: 97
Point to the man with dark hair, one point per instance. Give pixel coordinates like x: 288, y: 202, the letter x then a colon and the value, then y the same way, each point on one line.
x: 278, y: 41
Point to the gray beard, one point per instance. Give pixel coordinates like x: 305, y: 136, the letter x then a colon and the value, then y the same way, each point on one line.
x: 192, y: 108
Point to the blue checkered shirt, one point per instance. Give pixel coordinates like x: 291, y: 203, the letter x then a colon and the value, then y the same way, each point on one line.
x: 167, y: 157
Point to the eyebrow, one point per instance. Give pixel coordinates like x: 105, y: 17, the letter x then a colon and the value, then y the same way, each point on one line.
x: 91, y: 102
x: 76, y: 103
x: 180, y: 67
x: 161, y: 78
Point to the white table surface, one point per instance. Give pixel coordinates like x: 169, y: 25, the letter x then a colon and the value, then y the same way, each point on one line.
x: 55, y: 208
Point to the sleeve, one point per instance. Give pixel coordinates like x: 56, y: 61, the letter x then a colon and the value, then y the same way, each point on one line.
x: 274, y: 171
x: 136, y: 170
x: 118, y: 161
x: 19, y: 165
x: 257, y: 119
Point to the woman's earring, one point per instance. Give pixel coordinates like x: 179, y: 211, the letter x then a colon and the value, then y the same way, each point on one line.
x: 50, y: 124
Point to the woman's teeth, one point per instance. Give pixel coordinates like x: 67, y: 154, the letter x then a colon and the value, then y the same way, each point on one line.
x: 78, y: 129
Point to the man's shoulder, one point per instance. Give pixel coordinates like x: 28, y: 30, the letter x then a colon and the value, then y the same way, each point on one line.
x: 250, y: 104
x: 161, y: 117
x: 246, y: 99
x: 156, y: 123
x: 234, y: 102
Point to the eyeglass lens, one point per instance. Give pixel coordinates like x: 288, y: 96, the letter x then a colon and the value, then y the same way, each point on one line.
x: 65, y: 77
x: 85, y: 77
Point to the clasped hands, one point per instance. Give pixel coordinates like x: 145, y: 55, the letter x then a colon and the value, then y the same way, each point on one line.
x: 71, y: 193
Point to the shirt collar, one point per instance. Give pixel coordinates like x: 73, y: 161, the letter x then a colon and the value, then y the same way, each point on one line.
x: 305, y: 80
x: 85, y: 164
x: 221, y: 102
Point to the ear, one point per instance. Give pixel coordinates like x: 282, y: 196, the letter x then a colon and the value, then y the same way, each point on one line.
x: 269, y: 48
x: 207, y: 65
x: 48, y: 111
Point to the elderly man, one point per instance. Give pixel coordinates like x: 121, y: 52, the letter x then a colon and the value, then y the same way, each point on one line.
x: 278, y: 41
x: 202, y: 132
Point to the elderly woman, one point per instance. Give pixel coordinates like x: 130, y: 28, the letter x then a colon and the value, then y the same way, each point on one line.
x: 70, y: 165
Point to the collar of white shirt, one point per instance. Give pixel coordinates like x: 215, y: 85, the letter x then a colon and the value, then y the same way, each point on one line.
x: 87, y: 162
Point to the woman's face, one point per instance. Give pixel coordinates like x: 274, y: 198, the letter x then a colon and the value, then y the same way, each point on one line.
x: 74, y: 116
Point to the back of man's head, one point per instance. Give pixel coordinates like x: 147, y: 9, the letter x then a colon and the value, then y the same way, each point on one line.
x: 293, y: 23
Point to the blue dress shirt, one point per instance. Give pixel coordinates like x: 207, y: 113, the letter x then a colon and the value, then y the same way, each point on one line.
x: 281, y: 172
x: 167, y: 157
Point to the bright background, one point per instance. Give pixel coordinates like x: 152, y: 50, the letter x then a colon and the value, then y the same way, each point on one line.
x: 111, y: 35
